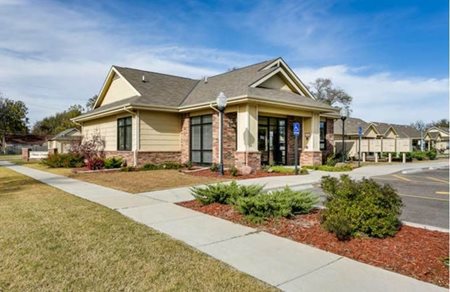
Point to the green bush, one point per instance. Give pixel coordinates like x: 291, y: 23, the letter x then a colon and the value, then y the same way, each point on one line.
x: 128, y: 169
x: 331, y: 160
x: 165, y: 165
x: 281, y: 203
x: 113, y: 162
x: 66, y: 160
x: 224, y: 193
x: 360, y: 207
x: 234, y: 171
x: 282, y: 169
x: 341, y: 168
x: 419, y: 155
x: 432, y: 154
x: 214, y: 167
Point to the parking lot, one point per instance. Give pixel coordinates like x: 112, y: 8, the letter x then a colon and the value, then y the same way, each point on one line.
x: 425, y: 195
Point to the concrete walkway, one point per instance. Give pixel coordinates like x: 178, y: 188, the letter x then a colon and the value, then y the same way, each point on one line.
x: 283, y: 263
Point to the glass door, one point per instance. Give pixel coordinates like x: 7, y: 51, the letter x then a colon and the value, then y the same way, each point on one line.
x: 272, y: 140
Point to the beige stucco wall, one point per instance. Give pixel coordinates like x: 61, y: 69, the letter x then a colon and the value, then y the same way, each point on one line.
x: 276, y: 82
x: 160, y: 131
x: 247, y: 128
x: 107, y: 129
x: 371, y: 133
x: 390, y: 134
x: 119, y: 89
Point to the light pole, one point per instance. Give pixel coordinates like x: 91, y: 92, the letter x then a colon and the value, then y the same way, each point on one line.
x: 221, y: 105
x: 344, y: 116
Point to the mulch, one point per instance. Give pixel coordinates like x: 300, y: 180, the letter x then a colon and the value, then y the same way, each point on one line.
x: 414, y: 252
x: 227, y: 174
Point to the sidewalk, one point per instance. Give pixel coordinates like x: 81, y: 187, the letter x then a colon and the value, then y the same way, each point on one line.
x: 283, y: 263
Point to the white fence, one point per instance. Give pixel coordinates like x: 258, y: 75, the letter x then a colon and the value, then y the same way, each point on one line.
x: 400, y: 145
x: 38, y: 154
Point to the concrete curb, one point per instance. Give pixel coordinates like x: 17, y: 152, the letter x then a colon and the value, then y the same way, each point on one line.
x: 417, y: 170
x: 427, y: 227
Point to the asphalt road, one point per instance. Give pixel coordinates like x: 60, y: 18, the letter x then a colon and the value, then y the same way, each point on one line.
x: 425, y: 195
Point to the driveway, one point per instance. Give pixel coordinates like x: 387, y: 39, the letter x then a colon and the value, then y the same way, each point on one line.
x: 425, y: 195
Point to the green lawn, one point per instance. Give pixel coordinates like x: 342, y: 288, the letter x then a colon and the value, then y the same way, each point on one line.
x: 52, y: 241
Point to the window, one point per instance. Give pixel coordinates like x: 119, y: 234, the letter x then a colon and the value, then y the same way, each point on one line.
x: 201, y: 139
x: 323, y: 132
x: 124, y: 134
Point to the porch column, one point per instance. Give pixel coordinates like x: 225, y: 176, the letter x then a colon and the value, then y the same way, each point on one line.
x: 247, y: 137
x: 311, y: 154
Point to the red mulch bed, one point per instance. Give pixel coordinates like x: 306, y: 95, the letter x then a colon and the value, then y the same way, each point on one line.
x: 414, y: 252
x: 227, y: 175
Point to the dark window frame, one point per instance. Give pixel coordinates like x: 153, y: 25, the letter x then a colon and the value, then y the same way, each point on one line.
x: 127, y: 127
x: 323, y: 135
x: 201, y: 150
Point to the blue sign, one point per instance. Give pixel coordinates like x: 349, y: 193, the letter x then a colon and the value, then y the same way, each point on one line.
x: 360, y: 131
x: 296, y: 128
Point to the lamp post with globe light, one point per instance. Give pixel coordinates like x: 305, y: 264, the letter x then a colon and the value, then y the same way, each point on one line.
x: 344, y: 115
x: 221, y: 101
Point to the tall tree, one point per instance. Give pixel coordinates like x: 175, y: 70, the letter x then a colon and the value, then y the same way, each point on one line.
x: 325, y: 91
x: 91, y: 102
x: 420, y: 126
x: 58, y: 122
x: 442, y: 123
x: 13, y: 118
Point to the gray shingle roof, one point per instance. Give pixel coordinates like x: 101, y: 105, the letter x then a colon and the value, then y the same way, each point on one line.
x: 352, y: 124
x: 158, y: 89
x: 173, y: 91
x: 67, y: 134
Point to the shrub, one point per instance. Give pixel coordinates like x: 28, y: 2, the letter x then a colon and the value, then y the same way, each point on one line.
x: 67, y: 160
x: 95, y: 163
x: 331, y: 160
x: 165, y: 165
x: 113, y: 162
x: 337, y: 168
x: 360, y: 207
x: 419, y: 155
x: 188, y: 165
x: 281, y: 169
x: 234, y: 171
x: 214, y: 167
x: 432, y: 154
x: 224, y: 193
x: 280, y: 203
x: 128, y: 168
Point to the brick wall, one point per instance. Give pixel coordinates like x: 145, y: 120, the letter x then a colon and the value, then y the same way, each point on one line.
x: 291, y: 140
x: 329, y: 137
x: 254, y: 159
x: 229, y: 138
x: 311, y: 158
x: 158, y: 157
x: 185, y: 138
x: 127, y: 156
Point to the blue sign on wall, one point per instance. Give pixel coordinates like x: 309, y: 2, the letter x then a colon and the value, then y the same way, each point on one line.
x: 360, y: 131
x: 296, y: 128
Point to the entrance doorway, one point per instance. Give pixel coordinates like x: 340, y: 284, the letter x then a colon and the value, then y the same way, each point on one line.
x: 272, y: 140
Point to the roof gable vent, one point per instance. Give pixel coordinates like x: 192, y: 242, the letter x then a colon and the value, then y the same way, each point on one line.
x: 143, y: 78
x: 205, y: 79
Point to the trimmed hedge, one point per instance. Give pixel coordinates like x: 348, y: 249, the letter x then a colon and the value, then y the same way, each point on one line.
x: 66, y: 160
x: 113, y: 162
x: 360, y: 208
x: 282, y: 203
x: 224, y: 193
x: 165, y: 165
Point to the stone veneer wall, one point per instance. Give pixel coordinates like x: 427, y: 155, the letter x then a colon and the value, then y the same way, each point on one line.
x: 144, y: 157
x: 254, y: 159
x: 311, y: 158
x: 229, y: 138
x: 128, y: 156
x: 291, y: 140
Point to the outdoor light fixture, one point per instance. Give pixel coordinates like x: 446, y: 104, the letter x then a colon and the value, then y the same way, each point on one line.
x: 221, y: 105
x: 344, y: 115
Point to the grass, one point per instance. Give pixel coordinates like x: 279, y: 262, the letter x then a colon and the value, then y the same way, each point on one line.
x: 132, y: 182
x: 52, y: 241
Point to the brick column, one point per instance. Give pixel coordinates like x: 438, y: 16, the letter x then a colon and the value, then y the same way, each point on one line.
x: 26, y: 154
x: 185, y: 138
x: 311, y: 158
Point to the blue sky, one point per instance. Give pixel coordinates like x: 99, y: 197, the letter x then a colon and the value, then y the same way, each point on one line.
x: 391, y: 56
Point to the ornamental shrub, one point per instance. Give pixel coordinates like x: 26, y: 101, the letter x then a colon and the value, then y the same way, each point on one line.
x: 234, y: 171
x: 95, y: 163
x: 281, y: 203
x: 432, y: 154
x: 214, y: 167
x: 224, y: 193
x: 66, y: 160
x: 113, y: 162
x: 360, y: 208
x: 419, y: 155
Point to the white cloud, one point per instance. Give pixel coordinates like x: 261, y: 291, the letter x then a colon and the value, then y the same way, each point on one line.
x: 384, y: 97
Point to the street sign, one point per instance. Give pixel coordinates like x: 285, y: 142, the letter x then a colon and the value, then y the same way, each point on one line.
x: 296, y: 128
x: 360, y: 131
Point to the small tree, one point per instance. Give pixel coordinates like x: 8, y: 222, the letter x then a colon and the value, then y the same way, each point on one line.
x: 13, y: 118
x: 90, y: 148
x: 325, y: 91
x: 91, y: 102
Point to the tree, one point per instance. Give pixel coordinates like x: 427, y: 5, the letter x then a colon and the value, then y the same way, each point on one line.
x: 13, y: 118
x: 442, y: 123
x: 325, y: 91
x: 58, y: 122
x: 420, y: 126
x: 91, y: 102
